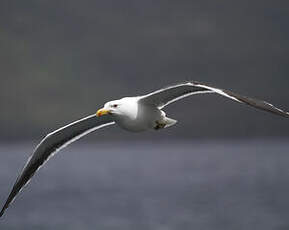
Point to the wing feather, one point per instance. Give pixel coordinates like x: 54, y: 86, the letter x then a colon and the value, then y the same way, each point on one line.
x: 168, y: 95
x: 50, y: 145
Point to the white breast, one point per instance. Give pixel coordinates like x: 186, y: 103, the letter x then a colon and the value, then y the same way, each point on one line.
x: 137, y: 117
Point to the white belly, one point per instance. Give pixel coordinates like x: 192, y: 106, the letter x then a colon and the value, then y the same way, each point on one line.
x: 146, y: 119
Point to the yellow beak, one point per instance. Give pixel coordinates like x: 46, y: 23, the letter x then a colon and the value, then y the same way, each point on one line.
x: 101, y: 112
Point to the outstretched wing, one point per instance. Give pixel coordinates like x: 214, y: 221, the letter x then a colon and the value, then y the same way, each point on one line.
x: 165, y: 96
x: 51, y: 144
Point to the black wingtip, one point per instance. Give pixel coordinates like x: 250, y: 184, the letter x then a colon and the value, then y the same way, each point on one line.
x: 2, y: 212
x: 3, y: 209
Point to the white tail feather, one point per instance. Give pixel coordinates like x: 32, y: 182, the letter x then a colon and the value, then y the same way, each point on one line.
x: 169, y: 122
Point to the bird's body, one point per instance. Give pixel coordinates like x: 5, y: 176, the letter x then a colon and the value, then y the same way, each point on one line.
x: 139, y: 123
x: 134, y: 114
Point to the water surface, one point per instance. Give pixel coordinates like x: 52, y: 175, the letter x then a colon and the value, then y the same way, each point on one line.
x: 150, y: 185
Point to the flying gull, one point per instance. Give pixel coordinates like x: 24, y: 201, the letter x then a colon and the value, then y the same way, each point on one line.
x: 135, y: 114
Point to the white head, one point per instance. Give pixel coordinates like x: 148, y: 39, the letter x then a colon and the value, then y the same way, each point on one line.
x: 125, y: 107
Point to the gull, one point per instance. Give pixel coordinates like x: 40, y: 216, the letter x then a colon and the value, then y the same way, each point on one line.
x: 134, y: 114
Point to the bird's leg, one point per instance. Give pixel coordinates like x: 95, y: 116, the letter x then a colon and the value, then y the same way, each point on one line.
x: 159, y: 125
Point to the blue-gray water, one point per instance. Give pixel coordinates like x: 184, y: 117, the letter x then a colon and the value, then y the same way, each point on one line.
x: 150, y: 185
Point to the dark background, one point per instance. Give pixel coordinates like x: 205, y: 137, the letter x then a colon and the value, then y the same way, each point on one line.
x: 223, y: 166
x: 61, y: 60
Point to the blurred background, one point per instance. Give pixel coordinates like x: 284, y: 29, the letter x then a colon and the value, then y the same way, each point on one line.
x: 226, y: 164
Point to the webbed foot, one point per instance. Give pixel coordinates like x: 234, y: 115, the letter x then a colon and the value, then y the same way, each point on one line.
x: 159, y: 125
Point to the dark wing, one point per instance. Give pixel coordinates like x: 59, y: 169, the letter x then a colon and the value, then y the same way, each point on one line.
x: 52, y: 143
x: 165, y: 96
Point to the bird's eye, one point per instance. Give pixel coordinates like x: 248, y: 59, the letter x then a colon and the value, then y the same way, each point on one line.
x: 114, y: 106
